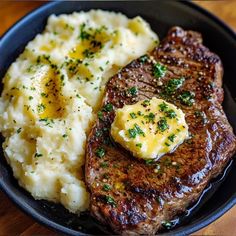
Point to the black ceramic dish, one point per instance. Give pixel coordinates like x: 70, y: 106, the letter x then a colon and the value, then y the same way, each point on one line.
x: 221, y: 193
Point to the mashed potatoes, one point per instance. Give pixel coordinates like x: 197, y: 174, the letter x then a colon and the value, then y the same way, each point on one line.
x: 51, y: 93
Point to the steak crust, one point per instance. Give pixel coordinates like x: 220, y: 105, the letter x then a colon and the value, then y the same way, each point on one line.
x: 135, y: 197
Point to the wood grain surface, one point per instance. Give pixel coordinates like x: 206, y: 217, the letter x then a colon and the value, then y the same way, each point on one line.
x: 13, y: 221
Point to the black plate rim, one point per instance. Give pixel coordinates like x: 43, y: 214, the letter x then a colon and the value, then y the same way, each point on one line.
x: 184, y: 230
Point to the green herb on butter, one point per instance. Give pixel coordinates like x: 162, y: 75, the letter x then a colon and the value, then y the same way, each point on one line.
x: 172, y: 137
x: 135, y: 131
x: 163, y: 106
x: 162, y: 124
x: 133, y: 115
x: 171, y: 114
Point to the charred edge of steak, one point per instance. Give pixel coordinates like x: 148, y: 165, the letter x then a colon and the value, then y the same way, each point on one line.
x: 136, y: 197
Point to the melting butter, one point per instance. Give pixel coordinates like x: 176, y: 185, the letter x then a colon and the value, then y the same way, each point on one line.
x: 150, y: 128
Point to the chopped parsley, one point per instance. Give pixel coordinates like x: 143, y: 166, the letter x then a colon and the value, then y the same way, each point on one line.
x: 139, y: 145
x: 159, y: 70
x: 18, y: 130
x: 163, y: 106
x: 64, y: 135
x: 48, y: 122
x: 172, y: 85
x: 104, y: 165
x: 110, y: 200
x: 172, y: 137
x: 145, y: 103
x: 139, y: 113
x: 40, y: 108
x: 132, y: 115
x: 166, y: 224
x: 100, y: 152
x: 84, y: 35
x: 143, y: 58
x: 100, y: 115
x: 150, y: 117
x: 133, y: 91
x: 149, y: 161
x: 30, y: 97
x: 162, y: 124
x: 135, y: 131
x: 106, y: 187
x: 98, y: 133
x: 44, y: 95
x: 38, y: 155
x: 187, y: 98
x: 171, y: 113
x: 88, y: 53
x: 108, y: 107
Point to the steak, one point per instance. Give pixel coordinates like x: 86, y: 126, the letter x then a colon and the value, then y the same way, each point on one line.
x: 138, y: 197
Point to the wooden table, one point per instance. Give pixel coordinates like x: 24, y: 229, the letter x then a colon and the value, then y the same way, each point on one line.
x: 12, y: 220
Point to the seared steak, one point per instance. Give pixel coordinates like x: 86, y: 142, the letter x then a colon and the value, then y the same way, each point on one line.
x: 134, y: 196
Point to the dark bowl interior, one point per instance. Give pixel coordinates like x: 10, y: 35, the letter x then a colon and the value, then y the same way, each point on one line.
x: 221, y: 193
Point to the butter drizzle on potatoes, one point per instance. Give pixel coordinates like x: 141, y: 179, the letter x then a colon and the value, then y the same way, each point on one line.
x: 51, y: 93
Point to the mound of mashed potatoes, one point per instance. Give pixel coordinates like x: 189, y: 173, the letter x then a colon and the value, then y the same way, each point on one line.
x: 51, y: 93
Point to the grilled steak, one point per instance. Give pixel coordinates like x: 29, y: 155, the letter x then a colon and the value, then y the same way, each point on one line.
x: 134, y: 196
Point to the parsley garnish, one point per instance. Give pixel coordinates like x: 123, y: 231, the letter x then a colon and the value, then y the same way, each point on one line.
x: 135, y: 131
x: 84, y: 35
x: 98, y: 133
x: 166, y: 224
x: 104, y: 165
x: 18, y: 130
x: 110, y: 201
x: 171, y: 114
x: 106, y: 187
x: 145, y: 103
x: 40, y: 108
x: 187, y: 98
x: 172, y: 85
x: 159, y: 70
x: 38, y: 155
x: 143, y: 58
x: 172, y: 137
x: 163, y: 106
x: 108, y: 107
x: 100, y: 115
x: 162, y: 124
x: 133, y: 91
x: 100, y: 152
x: 139, y: 145
x: 149, y: 161
x: 150, y: 117
x: 133, y: 115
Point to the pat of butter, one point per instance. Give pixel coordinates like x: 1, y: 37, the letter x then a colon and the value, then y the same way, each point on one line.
x: 149, y: 128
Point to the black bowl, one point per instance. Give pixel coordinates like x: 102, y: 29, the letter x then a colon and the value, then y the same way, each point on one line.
x: 221, y: 193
